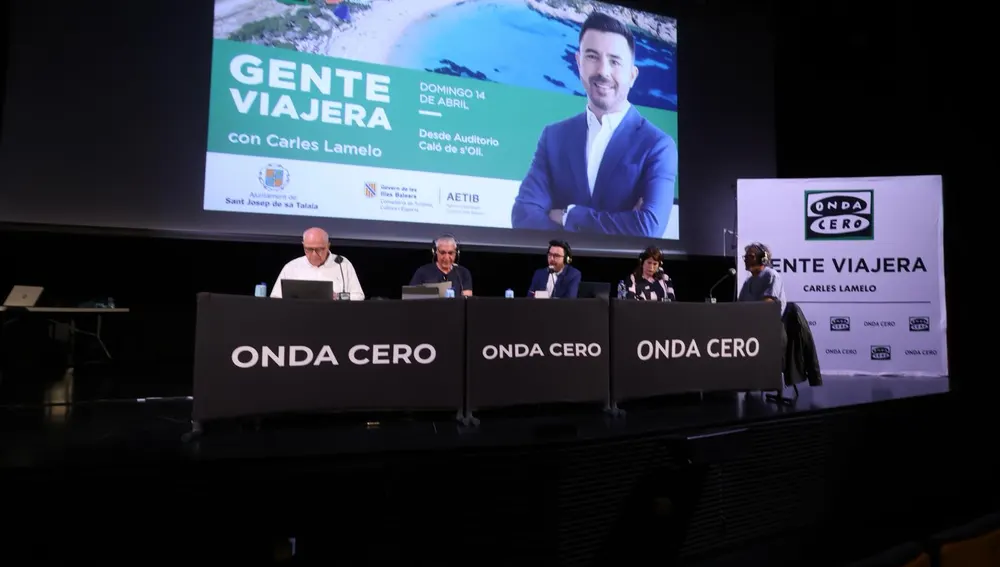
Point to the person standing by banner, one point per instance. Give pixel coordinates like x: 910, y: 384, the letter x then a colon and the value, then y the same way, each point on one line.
x: 649, y: 282
x: 764, y: 283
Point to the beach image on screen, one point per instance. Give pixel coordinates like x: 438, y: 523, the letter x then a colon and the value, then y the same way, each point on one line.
x: 454, y: 112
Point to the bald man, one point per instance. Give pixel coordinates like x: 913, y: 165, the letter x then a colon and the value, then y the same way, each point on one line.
x: 319, y: 265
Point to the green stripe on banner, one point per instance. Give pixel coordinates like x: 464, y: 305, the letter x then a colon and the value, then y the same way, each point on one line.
x: 278, y: 103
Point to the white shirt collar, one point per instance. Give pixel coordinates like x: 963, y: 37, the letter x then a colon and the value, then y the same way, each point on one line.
x: 610, y: 119
x: 329, y: 260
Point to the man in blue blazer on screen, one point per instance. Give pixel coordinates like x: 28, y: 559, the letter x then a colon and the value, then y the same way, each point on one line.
x: 607, y: 170
x: 559, y: 279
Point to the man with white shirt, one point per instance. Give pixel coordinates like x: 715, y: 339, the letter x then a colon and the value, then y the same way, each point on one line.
x: 559, y: 279
x: 319, y: 265
x: 607, y: 170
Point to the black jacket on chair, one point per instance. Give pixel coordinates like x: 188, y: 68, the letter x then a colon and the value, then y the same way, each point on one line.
x: 800, y: 361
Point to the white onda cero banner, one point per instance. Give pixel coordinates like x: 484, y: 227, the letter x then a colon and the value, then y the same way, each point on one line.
x: 864, y: 259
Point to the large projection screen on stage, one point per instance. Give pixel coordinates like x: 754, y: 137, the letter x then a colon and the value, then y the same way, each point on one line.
x: 414, y: 112
x: 505, y: 122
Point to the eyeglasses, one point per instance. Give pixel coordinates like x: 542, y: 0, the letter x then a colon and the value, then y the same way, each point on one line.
x: 551, y: 255
x: 315, y: 250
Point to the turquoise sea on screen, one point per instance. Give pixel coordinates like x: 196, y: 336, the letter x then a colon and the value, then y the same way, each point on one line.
x: 509, y: 43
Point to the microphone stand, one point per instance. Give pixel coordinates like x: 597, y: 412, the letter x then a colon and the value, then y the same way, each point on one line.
x: 339, y: 260
x: 736, y: 222
x: 711, y: 298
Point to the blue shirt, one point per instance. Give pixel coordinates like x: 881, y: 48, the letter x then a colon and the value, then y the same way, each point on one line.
x: 762, y: 286
x: 459, y: 276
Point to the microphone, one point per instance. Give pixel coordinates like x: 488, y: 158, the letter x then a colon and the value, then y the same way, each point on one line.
x: 339, y: 260
x: 731, y: 272
x: 663, y: 277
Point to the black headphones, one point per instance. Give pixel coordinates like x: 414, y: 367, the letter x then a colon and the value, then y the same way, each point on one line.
x: 434, y: 246
x: 760, y: 253
x: 566, y: 249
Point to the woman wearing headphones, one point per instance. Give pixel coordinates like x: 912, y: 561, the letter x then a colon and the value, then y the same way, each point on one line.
x: 648, y: 282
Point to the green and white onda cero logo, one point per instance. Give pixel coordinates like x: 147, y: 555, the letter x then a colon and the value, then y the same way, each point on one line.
x: 840, y: 215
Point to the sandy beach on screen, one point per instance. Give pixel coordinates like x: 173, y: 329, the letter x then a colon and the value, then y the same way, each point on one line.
x: 230, y: 15
x: 372, y: 37
x: 374, y: 33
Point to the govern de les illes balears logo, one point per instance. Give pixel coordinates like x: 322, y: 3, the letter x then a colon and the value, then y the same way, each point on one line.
x: 840, y: 215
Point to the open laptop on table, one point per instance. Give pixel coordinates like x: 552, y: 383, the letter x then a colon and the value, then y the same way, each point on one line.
x: 23, y: 296
x: 426, y: 291
x: 306, y: 289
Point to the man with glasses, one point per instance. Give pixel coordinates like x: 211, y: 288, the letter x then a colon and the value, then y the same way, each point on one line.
x: 559, y: 279
x: 319, y: 265
x: 445, y: 267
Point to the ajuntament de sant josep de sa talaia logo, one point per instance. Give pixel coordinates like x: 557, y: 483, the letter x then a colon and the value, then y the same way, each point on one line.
x: 274, y: 177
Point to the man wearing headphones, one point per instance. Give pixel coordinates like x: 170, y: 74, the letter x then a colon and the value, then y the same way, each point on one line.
x: 559, y: 279
x: 764, y: 284
x: 445, y: 267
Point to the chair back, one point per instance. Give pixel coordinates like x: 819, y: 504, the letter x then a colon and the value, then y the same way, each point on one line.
x: 592, y: 290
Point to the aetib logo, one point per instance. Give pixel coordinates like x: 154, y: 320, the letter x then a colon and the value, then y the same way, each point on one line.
x: 920, y: 324
x: 840, y: 215
x: 840, y: 323
x: 881, y: 352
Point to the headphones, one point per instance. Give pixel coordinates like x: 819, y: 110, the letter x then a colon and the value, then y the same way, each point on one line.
x: 434, y: 248
x: 566, y: 249
x: 760, y: 252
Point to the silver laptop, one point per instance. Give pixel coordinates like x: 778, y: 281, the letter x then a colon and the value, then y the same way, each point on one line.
x: 425, y: 291
x: 23, y: 296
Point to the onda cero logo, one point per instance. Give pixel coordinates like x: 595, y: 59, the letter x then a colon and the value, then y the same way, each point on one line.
x: 840, y: 215
x: 920, y: 324
x: 881, y: 352
x: 840, y: 323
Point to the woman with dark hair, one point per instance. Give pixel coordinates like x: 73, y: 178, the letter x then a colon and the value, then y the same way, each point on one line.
x: 648, y: 282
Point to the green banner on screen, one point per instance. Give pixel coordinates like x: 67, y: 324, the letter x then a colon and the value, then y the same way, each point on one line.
x: 284, y: 104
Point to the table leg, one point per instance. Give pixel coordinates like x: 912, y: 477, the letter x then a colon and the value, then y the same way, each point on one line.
x: 72, y: 343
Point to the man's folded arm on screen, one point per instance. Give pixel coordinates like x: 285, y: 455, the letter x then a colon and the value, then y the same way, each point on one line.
x: 534, y: 198
x: 651, y: 212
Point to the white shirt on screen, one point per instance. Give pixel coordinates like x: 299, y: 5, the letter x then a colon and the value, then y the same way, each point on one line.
x: 301, y: 269
x: 599, y: 134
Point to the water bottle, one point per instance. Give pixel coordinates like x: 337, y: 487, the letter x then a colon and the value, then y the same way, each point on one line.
x: 621, y: 289
x: 111, y: 303
x: 260, y: 290
x: 509, y: 294
x: 449, y: 293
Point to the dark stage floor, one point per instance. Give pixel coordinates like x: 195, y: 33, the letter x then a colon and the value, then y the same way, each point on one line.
x: 685, y: 478
x: 107, y: 412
